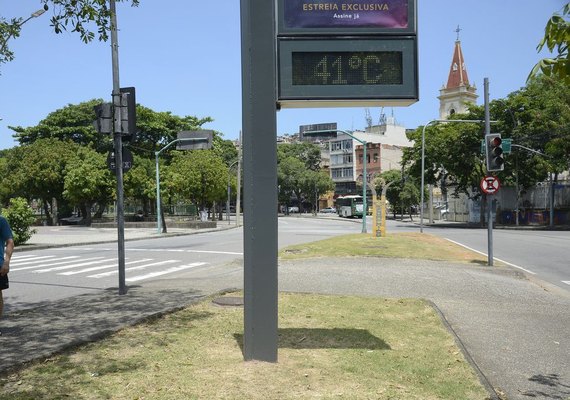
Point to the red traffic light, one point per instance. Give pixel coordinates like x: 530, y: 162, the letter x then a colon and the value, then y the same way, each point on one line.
x: 496, y: 141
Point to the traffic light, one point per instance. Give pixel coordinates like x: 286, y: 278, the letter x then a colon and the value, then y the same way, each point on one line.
x: 128, y: 114
x: 104, y: 121
x: 494, y: 152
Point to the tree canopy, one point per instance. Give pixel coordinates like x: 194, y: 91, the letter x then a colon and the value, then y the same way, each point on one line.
x: 299, y: 173
x: 536, y: 117
x: 80, y: 16
x: 556, y: 39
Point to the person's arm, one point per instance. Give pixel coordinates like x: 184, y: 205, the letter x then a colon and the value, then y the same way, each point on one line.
x: 7, y: 256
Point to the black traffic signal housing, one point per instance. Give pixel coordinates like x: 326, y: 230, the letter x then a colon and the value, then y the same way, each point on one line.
x: 104, y: 121
x: 494, y: 152
x: 129, y: 114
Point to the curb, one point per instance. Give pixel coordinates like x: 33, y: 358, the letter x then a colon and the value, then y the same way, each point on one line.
x: 482, y: 378
x: 31, y: 247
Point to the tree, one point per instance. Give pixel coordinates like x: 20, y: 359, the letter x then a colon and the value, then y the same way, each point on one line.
x: 536, y: 117
x: 316, y: 184
x: 556, y: 38
x: 402, y: 192
x: 200, y: 176
x: 79, y: 15
x: 73, y: 122
x: 290, y: 179
x: 140, y: 182
x: 21, y: 218
x: 298, y: 169
x: 308, y: 153
x: 155, y: 129
x: 451, y: 149
x: 88, y: 181
x: 37, y: 171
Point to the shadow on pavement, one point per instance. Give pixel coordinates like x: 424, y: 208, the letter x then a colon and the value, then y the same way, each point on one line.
x: 51, y: 327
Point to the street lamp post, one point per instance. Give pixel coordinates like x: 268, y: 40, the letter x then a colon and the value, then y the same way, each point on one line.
x: 156, y: 155
x: 435, y: 121
x: 229, y: 187
x: 364, y: 177
x: 11, y: 34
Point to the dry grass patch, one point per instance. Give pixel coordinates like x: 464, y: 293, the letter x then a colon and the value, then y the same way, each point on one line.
x: 330, y: 347
x: 396, y: 245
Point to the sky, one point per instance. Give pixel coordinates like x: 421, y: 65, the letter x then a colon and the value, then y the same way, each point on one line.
x: 184, y: 56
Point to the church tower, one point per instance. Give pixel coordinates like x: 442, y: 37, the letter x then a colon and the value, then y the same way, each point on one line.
x: 458, y: 91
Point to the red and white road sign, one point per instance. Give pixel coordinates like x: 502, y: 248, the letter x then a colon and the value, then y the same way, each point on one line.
x: 490, y: 184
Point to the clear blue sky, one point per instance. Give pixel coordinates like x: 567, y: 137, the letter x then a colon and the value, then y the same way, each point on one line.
x: 184, y: 56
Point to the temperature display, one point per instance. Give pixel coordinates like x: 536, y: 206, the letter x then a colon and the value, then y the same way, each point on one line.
x: 347, y: 68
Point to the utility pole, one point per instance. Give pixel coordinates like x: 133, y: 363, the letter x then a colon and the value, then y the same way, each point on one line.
x: 489, y: 197
x: 118, y: 144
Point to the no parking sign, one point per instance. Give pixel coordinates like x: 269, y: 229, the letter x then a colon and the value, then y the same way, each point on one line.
x: 490, y: 184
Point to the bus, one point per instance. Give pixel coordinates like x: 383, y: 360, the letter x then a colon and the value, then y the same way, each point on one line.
x: 349, y: 206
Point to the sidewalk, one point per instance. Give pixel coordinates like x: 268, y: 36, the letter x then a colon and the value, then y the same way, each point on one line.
x: 515, y: 330
x: 50, y: 236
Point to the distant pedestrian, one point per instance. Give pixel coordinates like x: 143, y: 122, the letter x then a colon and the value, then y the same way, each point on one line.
x: 6, y: 249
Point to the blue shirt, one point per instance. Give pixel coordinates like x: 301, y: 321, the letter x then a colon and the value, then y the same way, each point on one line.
x: 5, y: 234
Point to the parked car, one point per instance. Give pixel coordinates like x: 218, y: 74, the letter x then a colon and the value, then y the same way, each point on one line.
x: 293, y: 209
x: 328, y: 210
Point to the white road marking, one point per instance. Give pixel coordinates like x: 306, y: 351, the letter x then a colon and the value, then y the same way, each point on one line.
x: 494, y: 258
x: 105, y: 274
x: 566, y: 282
x: 167, y: 271
x: 190, y: 251
x: 171, y: 250
x: 30, y: 260
x: 46, y: 265
x: 22, y: 256
x: 82, y: 271
x: 41, y: 271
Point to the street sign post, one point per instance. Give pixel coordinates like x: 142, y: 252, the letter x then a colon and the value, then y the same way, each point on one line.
x: 127, y: 160
x: 490, y: 184
x: 195, y: 140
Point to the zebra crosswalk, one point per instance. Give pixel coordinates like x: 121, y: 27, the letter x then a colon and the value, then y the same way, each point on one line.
x: 96, y: 267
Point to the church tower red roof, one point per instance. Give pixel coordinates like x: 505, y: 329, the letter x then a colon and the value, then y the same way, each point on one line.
x: 457, y: 72
x: 455, y: 97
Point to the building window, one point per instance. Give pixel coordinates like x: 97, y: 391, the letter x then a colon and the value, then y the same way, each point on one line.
x: 375, y: 157
x: 340, y: 159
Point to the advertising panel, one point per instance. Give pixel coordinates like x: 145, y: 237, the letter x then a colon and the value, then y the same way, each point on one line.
x: 358, y: 16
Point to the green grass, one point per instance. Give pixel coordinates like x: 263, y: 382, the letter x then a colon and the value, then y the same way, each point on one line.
x: 330, y: 347
x: 399, y: 245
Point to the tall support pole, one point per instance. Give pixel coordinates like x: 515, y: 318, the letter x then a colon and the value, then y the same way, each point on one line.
x: 489, y: 196
x: 551, y: 223
x: 364, y: 183
x: 422, y: 185
x: 260, y: 179
x: 238, y: 199
x: 158, y: 204
x: 118, y: 144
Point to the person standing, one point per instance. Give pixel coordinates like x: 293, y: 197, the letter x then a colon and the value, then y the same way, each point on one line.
x: 6, y: 249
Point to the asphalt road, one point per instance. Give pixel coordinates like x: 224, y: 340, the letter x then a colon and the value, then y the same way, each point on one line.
x: 41, y: 276
x: 542, y: 254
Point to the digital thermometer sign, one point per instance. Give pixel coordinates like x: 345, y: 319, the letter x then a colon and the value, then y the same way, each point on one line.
x: 344, y: 72
x: 347, y: 68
